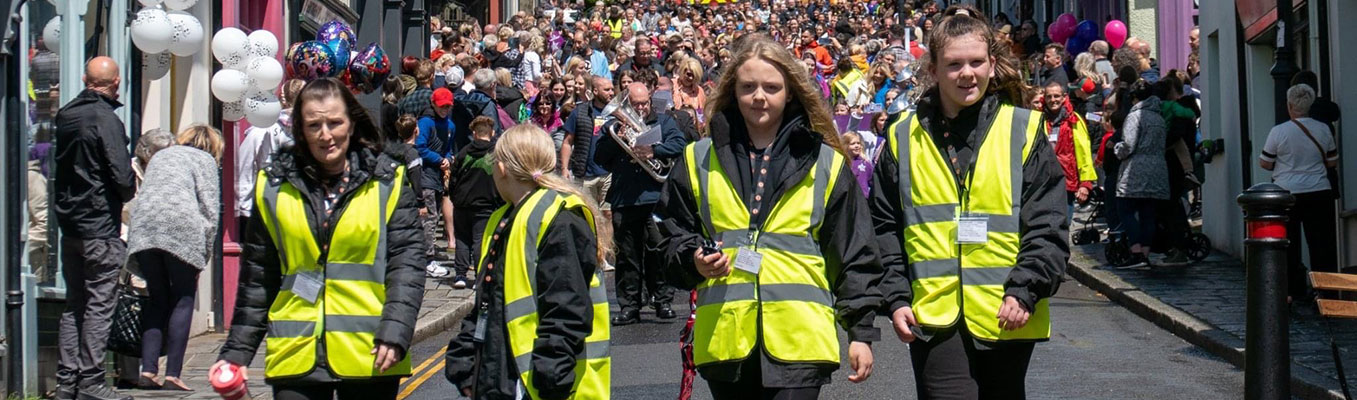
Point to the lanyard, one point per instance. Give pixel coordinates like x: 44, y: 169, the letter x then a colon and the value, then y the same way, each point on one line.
x: 964, y: 183
x: 758, y: 166
x: 484, y: 278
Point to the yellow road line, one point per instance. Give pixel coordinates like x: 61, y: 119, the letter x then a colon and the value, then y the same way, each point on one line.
x: 409, y: 389
x: 436, y: 355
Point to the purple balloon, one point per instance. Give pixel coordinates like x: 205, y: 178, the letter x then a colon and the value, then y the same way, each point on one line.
x: 1087, y: 31
x: 337, y: 30
x: 312, y: 60
x: 369, y: 69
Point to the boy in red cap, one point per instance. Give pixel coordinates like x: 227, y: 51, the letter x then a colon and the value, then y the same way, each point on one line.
x: 435, y: 146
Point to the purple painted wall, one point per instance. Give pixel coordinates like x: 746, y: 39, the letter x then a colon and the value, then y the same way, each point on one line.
x: 1175, y: 22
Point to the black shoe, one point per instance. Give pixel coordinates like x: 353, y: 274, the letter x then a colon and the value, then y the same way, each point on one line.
x: 101, y: 392
x: 627, y: 317
x: 664, y: 311
x: 65, y: 392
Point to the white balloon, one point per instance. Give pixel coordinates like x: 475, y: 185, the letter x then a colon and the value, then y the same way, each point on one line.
x: 263, y: 44
x: 230, y: 46
x: 262, y: 108
x: 152, y: 30
x: 155, y: 66
x: 230, y: 85
x: 266, y: 72
x: 188, y: 34
x: 147, y: 3
x: 233, y: 111
x: 179, y: 4
x: 51, y: 34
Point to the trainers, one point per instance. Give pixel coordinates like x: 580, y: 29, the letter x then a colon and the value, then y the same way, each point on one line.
x: 1176, y: 258
x: 459, y: 283
x: 65, y: 392
x: 100, y: 392
x: 436, y: 270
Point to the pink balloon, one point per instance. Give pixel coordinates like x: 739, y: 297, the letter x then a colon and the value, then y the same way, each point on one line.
x: 1067, y: 24
x: 1115, y: 31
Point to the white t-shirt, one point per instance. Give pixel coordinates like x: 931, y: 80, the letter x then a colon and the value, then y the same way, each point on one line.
x: 1299, y: 165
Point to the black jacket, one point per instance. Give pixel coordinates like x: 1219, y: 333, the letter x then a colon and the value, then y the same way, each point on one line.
x: 848, y: 245
x: 566, y: 262
x: 584, y: 122
x: 639, y: 187
x: 471, y: 184
x: 466, y: 108
x: 509, y: 99
x: 1043, y: 251
x: 261, y: 274
x: 93, y: 167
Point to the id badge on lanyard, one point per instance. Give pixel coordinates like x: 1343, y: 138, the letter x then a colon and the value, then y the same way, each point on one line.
x: 972, y: 228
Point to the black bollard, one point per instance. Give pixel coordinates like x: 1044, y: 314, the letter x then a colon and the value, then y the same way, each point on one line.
x: 1267, y: 344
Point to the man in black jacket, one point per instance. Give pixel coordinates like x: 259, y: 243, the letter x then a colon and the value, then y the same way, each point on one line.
x: 633, y: 204
x: 93, y: 180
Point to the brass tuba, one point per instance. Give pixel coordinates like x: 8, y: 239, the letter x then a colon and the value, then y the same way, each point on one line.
x: 629, y: 127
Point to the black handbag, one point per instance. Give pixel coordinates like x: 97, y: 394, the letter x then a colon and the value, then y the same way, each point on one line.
x: 125, y: 336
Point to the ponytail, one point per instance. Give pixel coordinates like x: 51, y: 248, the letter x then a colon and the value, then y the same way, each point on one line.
x: 528, y: 155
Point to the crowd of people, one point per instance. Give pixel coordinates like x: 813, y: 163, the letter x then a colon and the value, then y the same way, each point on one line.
x: 729, y: 151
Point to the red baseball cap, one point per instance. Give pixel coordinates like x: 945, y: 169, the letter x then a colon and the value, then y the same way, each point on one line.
x: 442, y: 97
x: 1088, y: 86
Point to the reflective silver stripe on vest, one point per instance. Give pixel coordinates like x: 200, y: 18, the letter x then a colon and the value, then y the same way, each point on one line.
x: 1021, y: 117
x: 702, y: 155
x: 796, y: 244
x: 916, y: 215
x: 934, y: 268
x: 344, y: 272
x: 352, y: 323
x: 985, y: 276
x: 725, y: 293
x: 903, y: 160
x: 795, y: 292
x: 534, y: 222
x: 292, y: 329
x: 823, y: 163
x: 379, y: 261
x: 271, y: 202
x: 592, y: 350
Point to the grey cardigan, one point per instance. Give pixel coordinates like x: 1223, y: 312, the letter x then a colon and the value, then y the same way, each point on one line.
x: 178, y: 206
x: 1144, y: 173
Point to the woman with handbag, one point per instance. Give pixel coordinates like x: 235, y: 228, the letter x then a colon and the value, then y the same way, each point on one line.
x: 332, y: 269
x: 1300, y: 153
x: 171, y: 236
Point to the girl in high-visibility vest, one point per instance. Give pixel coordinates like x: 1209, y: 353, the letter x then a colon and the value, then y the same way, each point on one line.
x: 539, y: 323
x: 968, y: 199
x: 332, y: 274
x: 788, y: 259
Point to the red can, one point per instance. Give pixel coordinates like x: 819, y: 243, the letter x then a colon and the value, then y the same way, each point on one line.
x: 229, y: 382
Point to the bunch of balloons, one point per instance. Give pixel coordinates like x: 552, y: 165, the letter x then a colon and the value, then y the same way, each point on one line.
x: 1078, y: 35
x: 334, y: 54
x: 161, y: 30
x: 250, y: 75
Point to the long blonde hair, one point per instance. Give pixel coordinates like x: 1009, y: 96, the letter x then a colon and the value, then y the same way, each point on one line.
x: 802, y: 96
x: 1084, y: 65
x: 528, y: 155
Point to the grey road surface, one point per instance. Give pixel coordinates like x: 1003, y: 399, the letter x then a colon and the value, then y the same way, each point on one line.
x: 1098, y: 351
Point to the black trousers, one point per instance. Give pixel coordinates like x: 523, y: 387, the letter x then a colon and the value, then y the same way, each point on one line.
x: 173, y: 285
x: 635, y: 265
x: 750, y: 386
x: 950, y: 366
x: 359, y: 390
x: 468, y: 225
x: 1314, y: 213
x: 90, y: 267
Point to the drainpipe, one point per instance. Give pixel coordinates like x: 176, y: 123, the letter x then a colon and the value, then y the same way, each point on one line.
x: 10, y: 90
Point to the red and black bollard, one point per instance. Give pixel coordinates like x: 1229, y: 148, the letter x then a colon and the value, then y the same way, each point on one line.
x: 1267, y: 348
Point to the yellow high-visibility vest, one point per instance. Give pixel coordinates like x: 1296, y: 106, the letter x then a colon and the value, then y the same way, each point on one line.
x: 952, y: 280
x: 348, y: 310
x: 789, y: 301
x: 593, y: 368
x: 615, y: 27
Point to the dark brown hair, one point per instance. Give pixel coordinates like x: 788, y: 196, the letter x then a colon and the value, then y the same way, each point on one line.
x: 406, y: 127
x: 961, y: 20
x: 363, y: 132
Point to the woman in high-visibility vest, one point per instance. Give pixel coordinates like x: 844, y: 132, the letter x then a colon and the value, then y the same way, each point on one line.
x: 969, y: 203
x: 539, y: 324
x: 789, y: 258
x: 333, y: 258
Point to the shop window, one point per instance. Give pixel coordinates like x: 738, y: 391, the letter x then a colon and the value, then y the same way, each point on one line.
x: 42, y: 102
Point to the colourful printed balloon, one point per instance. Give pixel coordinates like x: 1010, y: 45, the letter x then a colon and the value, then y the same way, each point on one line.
x: 312, y: 60
x: 369, y: 69
x: 287, y: 58
x: 342, y: 51
x: 337, y: 30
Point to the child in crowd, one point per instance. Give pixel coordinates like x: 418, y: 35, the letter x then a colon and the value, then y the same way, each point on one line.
x: 474, y: 197
x: 862, y: 167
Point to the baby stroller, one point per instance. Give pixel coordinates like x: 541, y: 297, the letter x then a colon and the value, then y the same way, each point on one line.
x: 1088, y: 233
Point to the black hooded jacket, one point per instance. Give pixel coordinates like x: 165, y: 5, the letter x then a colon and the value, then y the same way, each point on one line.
x: 848, y: 246
x: 1043, y: 250
x: 470, y: 184
x: 261, y: 272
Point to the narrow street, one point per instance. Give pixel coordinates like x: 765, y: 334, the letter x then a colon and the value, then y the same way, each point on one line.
x: 1097, y: 350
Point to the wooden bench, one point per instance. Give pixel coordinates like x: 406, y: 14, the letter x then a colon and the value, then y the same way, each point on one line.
x: 1336, y: 282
